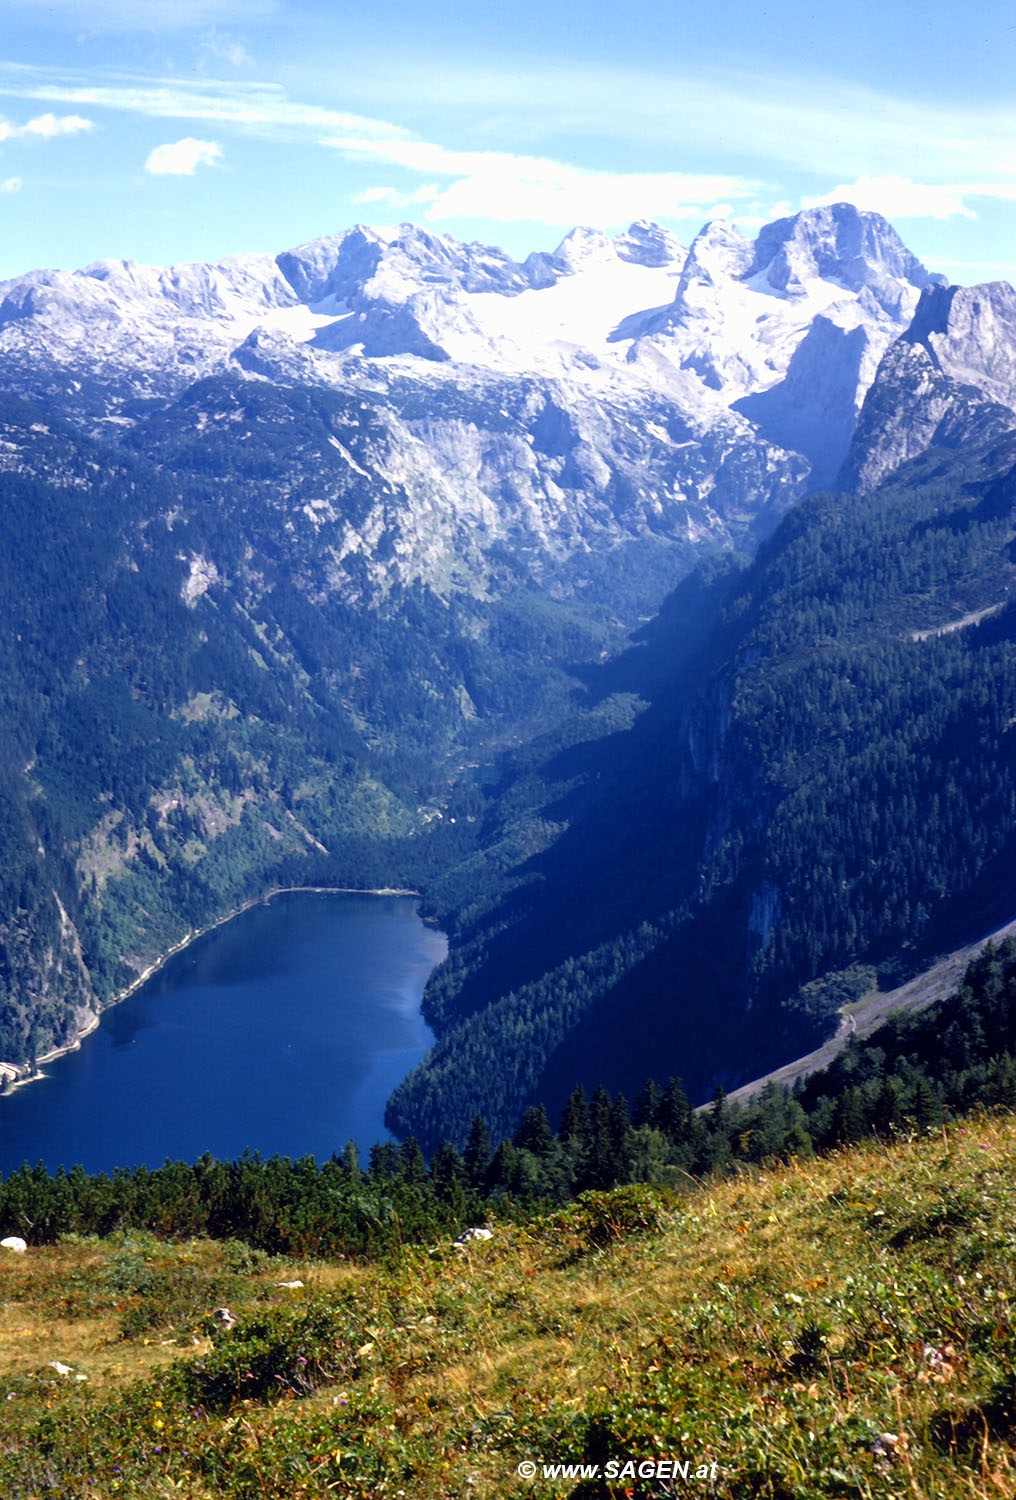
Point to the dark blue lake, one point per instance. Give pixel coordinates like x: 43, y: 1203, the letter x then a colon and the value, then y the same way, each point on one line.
x: 284, y: 1031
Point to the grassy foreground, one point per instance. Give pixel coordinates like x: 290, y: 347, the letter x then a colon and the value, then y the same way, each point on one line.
x: 842, y: 1327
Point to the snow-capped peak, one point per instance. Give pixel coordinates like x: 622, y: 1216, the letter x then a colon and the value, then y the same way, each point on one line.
x: 647, y: 244
x: 584, y: 247
x: 718, y: 253
x: 841, y: 244
x: 725, y: 320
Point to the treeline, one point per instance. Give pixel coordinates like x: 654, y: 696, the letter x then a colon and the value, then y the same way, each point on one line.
x: 912, y: 1075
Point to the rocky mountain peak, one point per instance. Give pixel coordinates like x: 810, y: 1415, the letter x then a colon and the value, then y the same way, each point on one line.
x: 970, y: 335
x: 580, y: 249
x: 646, y: 243
x: 720, y: 250
x: 583, y: 246
x: 845, y: 246
x: 333, y: 264
x: 948, y: 381
x: 392, y: 267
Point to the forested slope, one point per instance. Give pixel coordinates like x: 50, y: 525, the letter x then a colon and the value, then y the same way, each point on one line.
x: 796, y: 771
x: 190, y: 714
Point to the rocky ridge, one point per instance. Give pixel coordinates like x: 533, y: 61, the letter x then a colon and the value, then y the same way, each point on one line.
x: 949, y: 380
x: 617, y: 390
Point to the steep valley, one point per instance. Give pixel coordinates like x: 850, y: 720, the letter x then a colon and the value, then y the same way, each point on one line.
x: 391, y: 562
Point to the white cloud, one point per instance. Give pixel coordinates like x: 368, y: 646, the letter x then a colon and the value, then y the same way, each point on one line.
x: 906, y: 158
x: 426, y: 194
x: 11, y: 185
x: 182, y: 158
x: 565, y: 196
x: 47, y: 126
x: 50, y: 125
x: 899, y: 198
x: 501, y: 186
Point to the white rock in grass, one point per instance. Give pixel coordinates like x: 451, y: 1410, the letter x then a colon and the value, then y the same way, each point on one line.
x: 469, y: 1235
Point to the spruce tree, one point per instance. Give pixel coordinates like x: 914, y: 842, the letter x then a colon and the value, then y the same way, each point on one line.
x: 646, y: 1108
x: 478, y: 1151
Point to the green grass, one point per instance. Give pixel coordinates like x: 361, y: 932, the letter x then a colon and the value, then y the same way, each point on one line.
x: 840, y: 1328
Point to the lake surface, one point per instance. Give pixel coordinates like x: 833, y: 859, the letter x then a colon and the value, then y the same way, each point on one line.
x: 284, y: 1031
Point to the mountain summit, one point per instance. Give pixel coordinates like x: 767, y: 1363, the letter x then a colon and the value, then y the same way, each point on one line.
x: 727, y: 316
x: 616, y: 388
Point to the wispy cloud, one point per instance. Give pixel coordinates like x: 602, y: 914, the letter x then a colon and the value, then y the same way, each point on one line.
x: 154, y: 15
x: 813, y: 122
x: 46, y: 126
x: 11, y: 185
x: 182, y: 158
x: 259, y: 108
x: 225, y: 48
x: 906, y: 158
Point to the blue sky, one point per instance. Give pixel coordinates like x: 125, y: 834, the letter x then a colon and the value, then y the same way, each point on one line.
x: 192, y: 129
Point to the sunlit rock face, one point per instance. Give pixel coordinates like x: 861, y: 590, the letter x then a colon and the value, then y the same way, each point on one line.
x: 616, y: 389
x: 949, y: 380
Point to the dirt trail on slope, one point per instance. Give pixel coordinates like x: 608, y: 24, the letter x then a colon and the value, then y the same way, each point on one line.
x: 974, y: 618
x: 867, y: 1014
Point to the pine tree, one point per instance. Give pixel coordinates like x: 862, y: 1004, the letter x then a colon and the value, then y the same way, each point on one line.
x: 534, y: 1133
x: 478, y: 1151
x: 414, y: 1168
x: 925, y: 1106
x: 646, y: 1108
x: 676, y: 1113
x: 620, y: 1141
x: 448, y: 1174
x: 850, y: 1123
x: 503, y: 1172
x: 575, y: 1120
x: 597, y: 1164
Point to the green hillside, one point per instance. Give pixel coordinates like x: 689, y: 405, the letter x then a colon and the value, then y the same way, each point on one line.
x: 802, y: 773
x: 839, y: 1328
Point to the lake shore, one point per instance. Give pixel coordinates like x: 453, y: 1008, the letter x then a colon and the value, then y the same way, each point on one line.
x: 14, y: 1075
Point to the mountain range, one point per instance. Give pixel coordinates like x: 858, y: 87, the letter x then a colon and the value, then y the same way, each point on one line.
x: 618, y: 388
x: 325, y: 565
